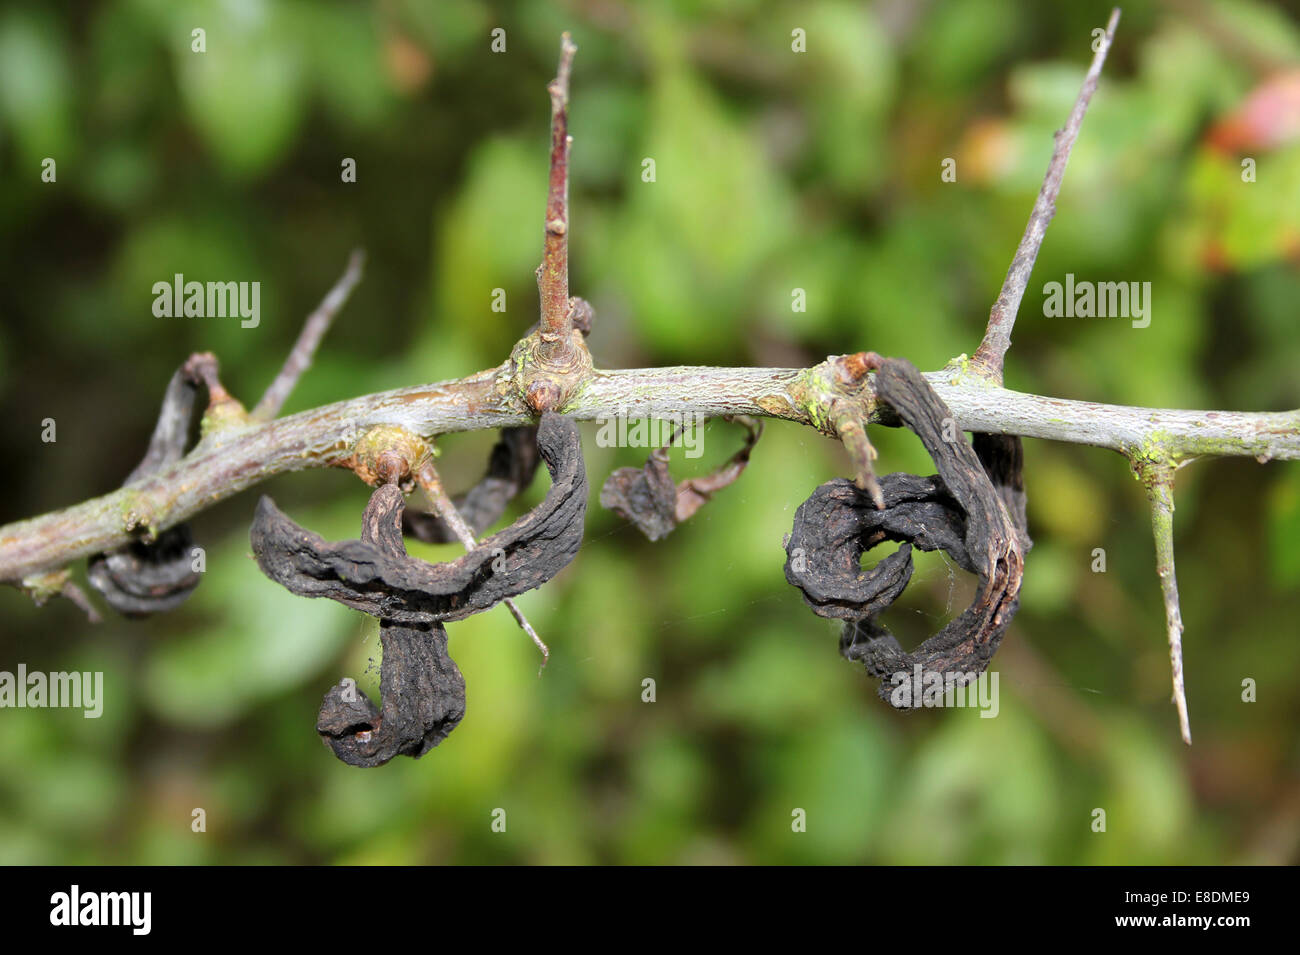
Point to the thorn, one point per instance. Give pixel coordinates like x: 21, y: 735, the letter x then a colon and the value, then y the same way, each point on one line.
x: 1159, y: 481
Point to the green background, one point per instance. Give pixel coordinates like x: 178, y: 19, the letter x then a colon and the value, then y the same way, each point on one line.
x: 775, y: 170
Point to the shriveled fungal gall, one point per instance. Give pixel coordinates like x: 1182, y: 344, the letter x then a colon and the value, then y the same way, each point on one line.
x: 521, y: 557
x: 422, y: 692
x: 645, y: 496
x: 649, y: 498
x: 147, y: 578
x: 152, y: 576
x: 423, y: 697
x: 973, y: 510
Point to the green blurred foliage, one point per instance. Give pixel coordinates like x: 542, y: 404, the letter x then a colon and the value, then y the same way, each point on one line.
x: 775, y: 170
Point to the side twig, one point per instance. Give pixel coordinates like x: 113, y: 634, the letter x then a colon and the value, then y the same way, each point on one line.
x: 553, y: 273
x: 1002, y: 317
x: 304, y: 349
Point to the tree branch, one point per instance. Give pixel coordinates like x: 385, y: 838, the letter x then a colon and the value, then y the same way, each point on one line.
x: 233, y: 459
x: 551, y: 369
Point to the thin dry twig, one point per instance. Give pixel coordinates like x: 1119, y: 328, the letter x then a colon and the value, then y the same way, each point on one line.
x: 1160, y: 492
x: 309, y: 339
x: 1002, y: 317
x: 78, y: 596
x: 553, y: 273
x: 427, y: 477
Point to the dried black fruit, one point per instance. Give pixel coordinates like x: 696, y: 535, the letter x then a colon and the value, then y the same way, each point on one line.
x: 141, y: 579
x: 1003, y: 458
x: 649, y: 498
x: 511, y: 467
x: 646, y: 496
x: 423, y: 696
x: 144, y: 578
x: 838, y: 523
x: 422, y: 692
x: 973, y: 510
x: 421, y: 689
x: 387, y: 583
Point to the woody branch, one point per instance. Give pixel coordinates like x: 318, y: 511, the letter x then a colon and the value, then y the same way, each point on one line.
x: 552, y: 370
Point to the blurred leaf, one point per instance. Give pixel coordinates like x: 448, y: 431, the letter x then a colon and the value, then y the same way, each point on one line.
x: 36, y: 91
x: 244, y: 93
x: 967, y: 798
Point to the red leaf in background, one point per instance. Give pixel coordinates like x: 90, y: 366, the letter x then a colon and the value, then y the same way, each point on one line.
x: 1269, y: 117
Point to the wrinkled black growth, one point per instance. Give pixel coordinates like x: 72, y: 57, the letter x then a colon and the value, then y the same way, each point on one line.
x: 142, y: 578
x: 1003, y: 458
x: 834, y: 527
x: 423, y: 696
x: 511, y: 467
x: 645, y: 496
x: 421, y: 689
x: 387, y: 583
x: 973, y: 510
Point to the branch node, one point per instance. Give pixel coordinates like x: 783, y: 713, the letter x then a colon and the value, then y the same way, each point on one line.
x: 224, y: 411
x: 388, y: 454
x: 58, y: 583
